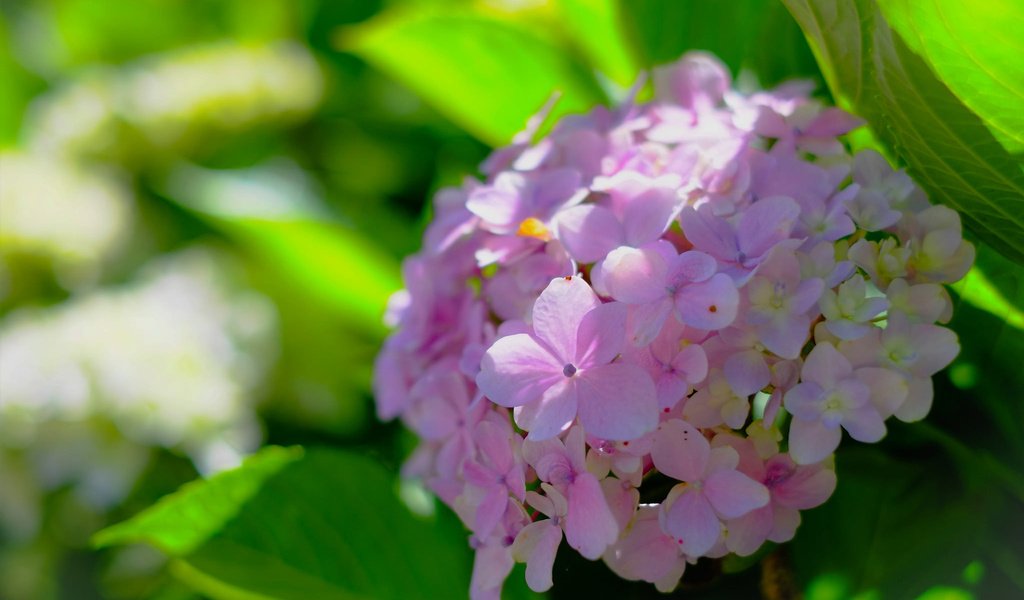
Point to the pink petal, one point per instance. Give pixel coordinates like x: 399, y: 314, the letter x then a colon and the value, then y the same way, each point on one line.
x: 494, y: 444
x: 536, y: 545
x: 516, y: 370
x: 601, y: 336
x: 888, y: 388
x: 680, y: 450
x: 648, y: 215
x: 634, y: 275
x: 811, y: 441
x: 558, y: 313
x: 646, y: 320
x: 691, y: 519
x: 710, y: 304
x: 589, y: 525
x: 490, y: 568
x: 617, y: 401
x: 692, y: 266
x: 490, y: 511
x: 645, y: 552
x: 589, y: 232
x: 786, y: 520
x: 747, y: 533
x: 691, y: 363
x: 550, y: 415
x: 733, y: 494
x: 807, y: 487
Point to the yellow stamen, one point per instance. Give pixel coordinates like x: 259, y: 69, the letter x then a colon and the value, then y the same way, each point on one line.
x: 535, y: 228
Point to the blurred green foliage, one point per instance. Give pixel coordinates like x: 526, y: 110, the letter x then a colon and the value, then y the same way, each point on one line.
x: 300, y: 142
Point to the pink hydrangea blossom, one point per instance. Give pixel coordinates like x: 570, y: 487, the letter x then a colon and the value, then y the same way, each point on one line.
x: 687, y: 301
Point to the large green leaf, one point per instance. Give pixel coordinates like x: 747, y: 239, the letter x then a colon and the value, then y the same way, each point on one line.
x: 737, y: 31
x: 292, y: 524
x: 975, y: 48
x: 949, y: 149
x: 487, y: 74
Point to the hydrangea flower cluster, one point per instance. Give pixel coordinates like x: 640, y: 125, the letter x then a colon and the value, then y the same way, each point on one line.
x: 645, y: 332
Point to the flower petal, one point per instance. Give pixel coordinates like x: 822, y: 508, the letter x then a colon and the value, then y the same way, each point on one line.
x: 733, y: 494
x: 550, y: 415
x: 558, y: 312
x: 516, y: 370
x: 617, y: 401
x: 590, y: 526
x: 812, y: 441
x: 690, y: 518
x: 680, y: 450
x: 589, y: 232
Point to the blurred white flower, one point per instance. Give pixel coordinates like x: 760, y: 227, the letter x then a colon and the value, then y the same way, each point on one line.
x: 174, y: 360
x: 55, y: 208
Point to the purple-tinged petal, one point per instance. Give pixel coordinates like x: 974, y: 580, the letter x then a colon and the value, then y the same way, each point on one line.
x: 648, y: 215
x: 634, y: 275
x: 746, y: 372
x: 920, y: 392
x: 646, y: 320
x: 708, y: 305
x: 558, y: 312
x: 690, y: 518
x: 811, y: 441
x: 786, y: 336
x: 550, y: 415
x: 806, y: 295
x: 494, y: 444
x: 601, y: 336
x: 825, y: 366
x: 617, y: 401
x: 680, y: 450
x: 732, y: 494
x: 589, y: 232
x: 805, y: 401
x: 516, y: 370
x: 691, y: 363
x: 709, y: 234
x: 590, y: 526
x: 864, y: 424
x: 765, y: 223
x: 692, y: 266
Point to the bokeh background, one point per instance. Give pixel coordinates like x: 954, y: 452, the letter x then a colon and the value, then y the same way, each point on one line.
x: 203, y: 209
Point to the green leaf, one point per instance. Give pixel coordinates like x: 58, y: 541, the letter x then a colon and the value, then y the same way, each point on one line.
x: 975, y: 49
x: 285, y: 225
x: 949, y: 149
x: 737, y: 31
x: 290, y: 525
x: 893, y: 527
x: 181, y: 522
x: 486, y: 74
x: 595, y: 26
